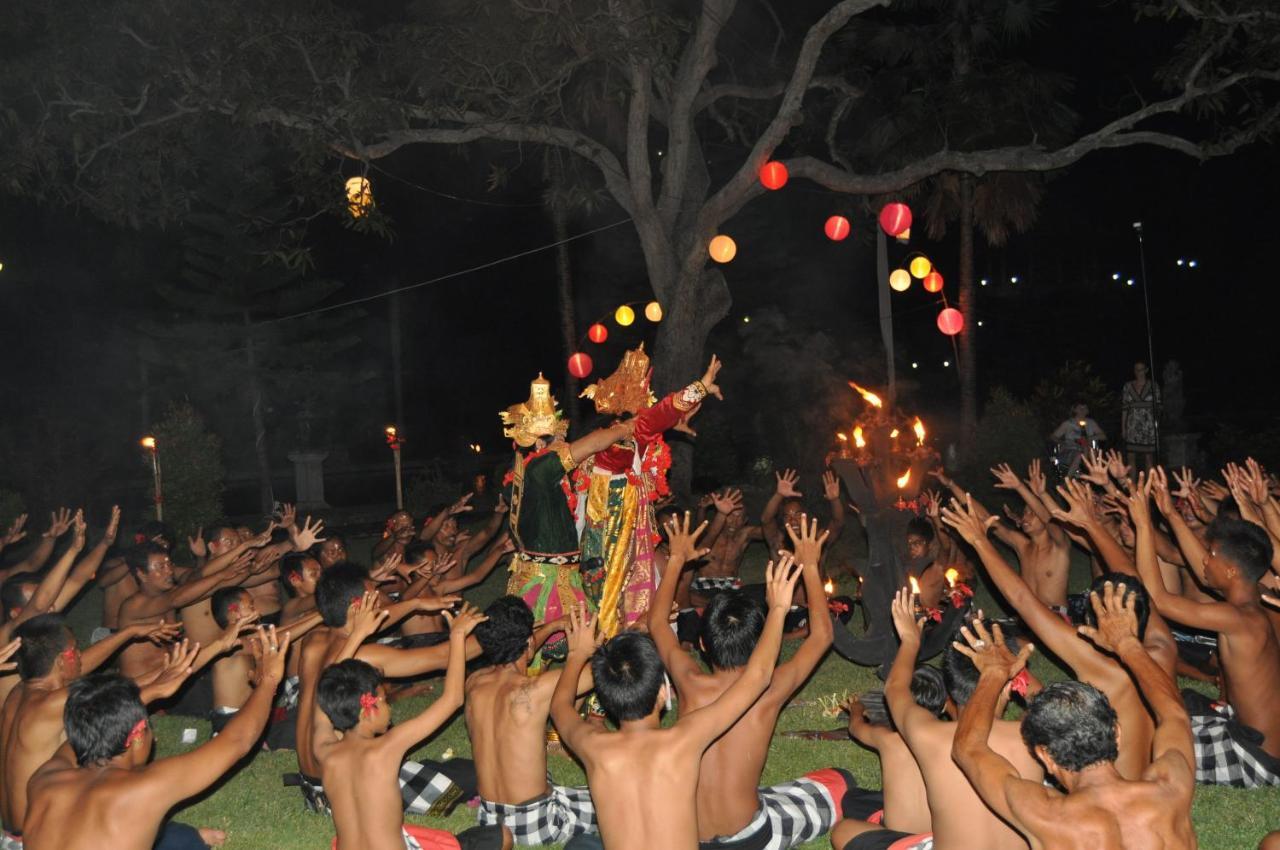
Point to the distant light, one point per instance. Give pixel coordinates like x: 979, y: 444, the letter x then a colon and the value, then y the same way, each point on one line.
x: 1181, y: 261
x: 746, y: 320
x: 148, y: 443
x: 1129, y: 282
x: 946, y: 363
x: 1013, y: 279
x: 1, y: 267
x: 979, y: 323
x: 1115, y: 275
x: 983, y: 281
x: 915, y: 365
x: 1191, y: 263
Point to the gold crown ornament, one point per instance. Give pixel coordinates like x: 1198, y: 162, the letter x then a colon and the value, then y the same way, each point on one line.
x: 627, y: 389
x: 527, y: 421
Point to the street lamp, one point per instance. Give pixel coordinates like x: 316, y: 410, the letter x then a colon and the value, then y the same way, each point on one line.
x: 149, y: 443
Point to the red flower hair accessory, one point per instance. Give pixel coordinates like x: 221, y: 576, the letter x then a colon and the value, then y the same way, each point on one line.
x: 368, y: 702
x: 135, y: 734
x: 1020, y: 683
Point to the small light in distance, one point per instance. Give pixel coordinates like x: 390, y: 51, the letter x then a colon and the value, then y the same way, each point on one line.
x: 1115, y: 275
x: 1013, y: 279
x: 1191, y: 263
x: 915, y: 365
x: 979, y: 323
x: 1181, y: 261
x: 746, y: 320
x: 983, y: 281
x: 946, y: 363
x: 1129, y: 282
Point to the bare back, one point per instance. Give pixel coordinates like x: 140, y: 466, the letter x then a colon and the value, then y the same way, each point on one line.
x: 77, y: 808
x: 31, y: 730
x: 1250, y: 658
x: 506, y: 715
x: 360, y: 783
x: 906, y: 803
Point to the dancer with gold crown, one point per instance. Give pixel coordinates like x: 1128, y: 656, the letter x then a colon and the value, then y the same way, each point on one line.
x: 545, y: 570
x: 621, y: 484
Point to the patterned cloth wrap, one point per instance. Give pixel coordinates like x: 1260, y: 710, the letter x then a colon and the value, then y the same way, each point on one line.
x: 553, y: 818
x: 711, y: 585
x: 9, y: 841
x: 791, y: 813
x: 1227, y: 751
x: 424, y: 788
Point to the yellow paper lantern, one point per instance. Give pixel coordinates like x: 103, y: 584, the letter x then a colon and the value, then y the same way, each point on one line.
x: 624, y: 315
x: 900, y: 280
x: 722, y: 248
x: 359, y: 196
x: 920, y: 267
x: 653, y: 311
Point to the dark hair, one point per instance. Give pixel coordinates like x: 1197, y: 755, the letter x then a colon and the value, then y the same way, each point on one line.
x: 293, y: 564
x: 1074, y: 722
x: 100, y: 712
x: 337, y: 587
x: 221, y: 602
x: 1228, y: 509
x: 920, y: 525
x: 929, y: 689
x: 504, y: 637
x: 329, y: 536
x: 214, y: 531
x: 730, y: 629
x: 1132, y: 587
x: 1245, y: 544
x: 628, y: 674
x: 138, y: 558
x: 416, y: 551
x: 959, y: 673
x: 340, y: 688
x: 11, y: 595
x: 152, y: 529
x: 43, y: 640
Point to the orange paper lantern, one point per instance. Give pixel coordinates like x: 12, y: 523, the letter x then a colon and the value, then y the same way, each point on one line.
x: 773, y: 175
x: 579, y: 365
x: 653, y: 311
x: 933, y: 282
x: 837, y: 228
x: 895, y: 219
x: 597, y: 333
x: 722, y: 248
x: 951, y: 321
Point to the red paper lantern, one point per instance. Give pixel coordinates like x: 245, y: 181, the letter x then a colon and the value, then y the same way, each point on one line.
x: 579, y: 365
x: 895, y: 218
x: 837, y: 228
x: 932, y: 282
x: 951, y: 321
x: 773, y: 175
x: 597, y: 333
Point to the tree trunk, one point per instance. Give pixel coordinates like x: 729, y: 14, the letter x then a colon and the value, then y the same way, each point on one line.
x: 886, y: 312
x: 266, y: 497
x: 968, y: 353
x: 564, y: 301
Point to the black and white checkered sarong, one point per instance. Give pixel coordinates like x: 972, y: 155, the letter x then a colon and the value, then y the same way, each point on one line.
x: 711, y: 585
x: 1227, y: 751
x: 790, y: 814
x: 290, y: 688
x: 554, y: 818
x: 427, y: 789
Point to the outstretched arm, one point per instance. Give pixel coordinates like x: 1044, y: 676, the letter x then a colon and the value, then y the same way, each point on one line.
x: 87, y: 568
x: 599, y: 440
x: 684, y: 548
x: 52, y: 583
x: 404, y: 736
x: 1193, y: 549
x: 906, y: 713
x: 59, y: 523
x: 582, y: 640
x: 807, y: 546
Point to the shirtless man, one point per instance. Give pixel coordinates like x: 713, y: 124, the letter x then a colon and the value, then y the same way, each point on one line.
x: 1062, y: 640
x: 784, y: 508
x: 1072, y: 730
x: 59, y: 524
x: 960, y: 819
x: 49, y: 660
x: 727, y: 542
x: 299, y: 574
x: 461, y: 546
x: 445, y: 580
x: 361, y: 753
x: 1247, y: 648
x: 77, y: 797
x: 339, y: 595
x: 507, y: 712
x: 732, y: 809
x: 644, y: 778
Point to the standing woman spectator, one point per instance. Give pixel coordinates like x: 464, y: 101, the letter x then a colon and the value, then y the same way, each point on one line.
x: 1139, y: 418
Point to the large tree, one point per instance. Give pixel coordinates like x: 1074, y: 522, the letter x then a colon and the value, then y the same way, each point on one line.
x: 100, y: 99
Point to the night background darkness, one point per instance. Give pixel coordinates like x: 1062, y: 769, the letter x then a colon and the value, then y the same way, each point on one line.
x: 74, y: 289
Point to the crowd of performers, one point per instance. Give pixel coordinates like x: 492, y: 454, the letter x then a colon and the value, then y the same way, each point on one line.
x: 622, y: 607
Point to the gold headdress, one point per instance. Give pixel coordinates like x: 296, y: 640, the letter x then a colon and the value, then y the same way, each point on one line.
x: 527, y: 421
x: 627, y: 389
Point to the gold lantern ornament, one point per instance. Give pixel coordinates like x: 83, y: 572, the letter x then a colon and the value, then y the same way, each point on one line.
x: 920, y: 266
x: 900, y: 280
x: 653, y: 311
x: 359, y: 196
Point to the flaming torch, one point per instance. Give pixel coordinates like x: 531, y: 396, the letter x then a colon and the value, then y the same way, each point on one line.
x: 858, y: 439
x: 149, y: 443
x: 952, y: 575
x: 904, y: 480
x: 394, y: 441
x: 829, y: 587
x: 868, y: 396
x: 915, y: 585
x: 918, y: 427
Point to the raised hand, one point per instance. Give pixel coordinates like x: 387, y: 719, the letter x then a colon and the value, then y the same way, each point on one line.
x: 175, y: 669
x: 365, y: 617
x: 113, y: 526
x: 501, y: 507
x: 59, y: 522
x: 965, y: 521
x: 932, y: 500
x: 385, y: 570
x: 1006, y: 478
x: 787, y: 480
x: 581, y: 631
x: 160, y: 632
x: 780, y: 582
x: 1117, y: 618
x: 727, y: 502
x: 709, y: 378
x: 941, y: 475
x: 269, y: 653
x: 1255, y: 481
x: 1213, y: 490
x: 79, y: 530
x: 905, y: 618
x: 830, y: 486
x: 15, y: 533
x: 1095, y: 465
x: 1079, y: 499
x: 461, y: 505
x: 196, y: 544
x: 263, y: 538
x: 683, y: 425
x: 465, y: 621
x: 231, y: 634
x: 439, y: 603
x: 684, y: 542
x: 307, y: 536
x: 1140, y: 499
x: 1157, y: 485
x: 8, y: 651
x: 1116, y: 466
x: 1187, y: 483
x: 987, y: 650
x: 289, y: 516
x: 808, y: 543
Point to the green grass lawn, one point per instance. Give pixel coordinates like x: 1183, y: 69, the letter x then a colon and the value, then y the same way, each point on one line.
x: 257, y: 812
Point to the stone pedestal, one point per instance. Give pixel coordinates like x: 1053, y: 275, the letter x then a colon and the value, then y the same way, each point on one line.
x: 1179, y: 449
x: 308, y: 476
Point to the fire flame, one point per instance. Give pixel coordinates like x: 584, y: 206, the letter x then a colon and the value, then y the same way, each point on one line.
x: 391, y: 430
x: 868, y: 396
x: 829, y: 587
x: 904, y: 480
x: 893, y: 435
x: 842, y: 437
x: 952, y: 575
x: 148, y: 443
x: 918, y: 427
x: 915, y: 585
x: 858, y: 439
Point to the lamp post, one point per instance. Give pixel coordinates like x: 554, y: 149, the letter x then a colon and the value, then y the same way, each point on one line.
x: 149, y: 443
x: 1146, y: 307
x: 394, y: 441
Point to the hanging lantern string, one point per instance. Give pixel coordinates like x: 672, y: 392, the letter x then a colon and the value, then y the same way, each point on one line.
x: 450, y: 275
x: 604, y: 317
